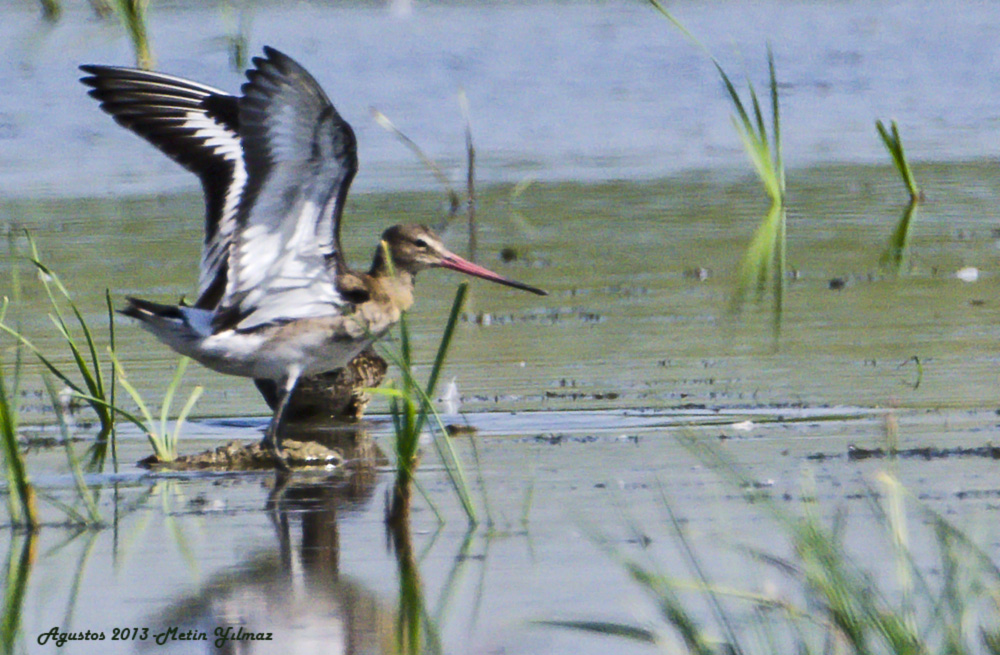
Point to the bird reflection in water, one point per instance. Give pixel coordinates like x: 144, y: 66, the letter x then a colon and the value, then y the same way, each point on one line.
x: 297, y: 591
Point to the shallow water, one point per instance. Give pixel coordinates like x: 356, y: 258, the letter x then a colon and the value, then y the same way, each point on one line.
x: 626, y: 324
x: 313, y: 565
x: 582, y: 398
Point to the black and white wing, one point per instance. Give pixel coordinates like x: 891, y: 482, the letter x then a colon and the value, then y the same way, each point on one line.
x: 300, y: 158
x: 196, y: 126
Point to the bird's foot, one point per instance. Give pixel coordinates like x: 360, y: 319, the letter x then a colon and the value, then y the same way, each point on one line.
x: 272, y: 446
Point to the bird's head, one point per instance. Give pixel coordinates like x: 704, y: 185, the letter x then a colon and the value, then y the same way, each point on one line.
x: 415, y: 247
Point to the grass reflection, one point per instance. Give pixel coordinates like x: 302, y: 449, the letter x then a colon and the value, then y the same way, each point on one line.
x: 764, y: 259
x: 830, y: 601
x: 20, y: 558
x: 895, y: 256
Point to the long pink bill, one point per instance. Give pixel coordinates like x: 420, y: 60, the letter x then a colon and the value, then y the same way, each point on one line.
x: 456, y: 263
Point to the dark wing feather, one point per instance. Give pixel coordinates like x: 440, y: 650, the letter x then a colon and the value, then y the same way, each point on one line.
x: 196, y: 126
x: 300, y: 158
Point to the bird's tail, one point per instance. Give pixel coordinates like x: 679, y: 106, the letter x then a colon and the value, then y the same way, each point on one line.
x: 175, y: 325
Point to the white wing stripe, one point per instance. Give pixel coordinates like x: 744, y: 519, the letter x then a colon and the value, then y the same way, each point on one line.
x: 299, y: 154
x: 223, y: 142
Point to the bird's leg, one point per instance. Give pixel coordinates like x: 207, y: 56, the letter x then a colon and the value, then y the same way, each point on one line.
x: 272, y: 437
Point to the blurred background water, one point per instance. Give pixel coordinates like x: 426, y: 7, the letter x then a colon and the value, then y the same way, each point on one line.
x: 609, y: 171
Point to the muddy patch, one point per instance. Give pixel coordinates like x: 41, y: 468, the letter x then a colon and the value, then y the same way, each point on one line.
x: 315, y: 446
x: 858, y: 453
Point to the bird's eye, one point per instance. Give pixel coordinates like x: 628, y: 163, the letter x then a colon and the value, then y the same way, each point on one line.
x: 420, y: 243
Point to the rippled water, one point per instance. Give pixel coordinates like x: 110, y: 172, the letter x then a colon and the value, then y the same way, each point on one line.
x: 637, y: 206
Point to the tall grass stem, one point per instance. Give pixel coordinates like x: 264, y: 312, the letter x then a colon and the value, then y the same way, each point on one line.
x: 894, y: 144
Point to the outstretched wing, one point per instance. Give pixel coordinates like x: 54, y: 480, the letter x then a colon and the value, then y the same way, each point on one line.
x: 196, y: 126
x: 300, y: 158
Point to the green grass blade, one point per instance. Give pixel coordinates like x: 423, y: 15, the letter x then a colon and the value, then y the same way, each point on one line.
x: 672, y: 610
x: 50, y: 277
x: 21, y: 502
x: 12, y: 459
x: 397, y: 425
x: 734, y: 96
x: 93, y: 383
x: 470, y: 175
x: 92, y: 376
x: 92, y: 347
x: 386, y: 124
x: 480, y: 480
x: 676, y: 23
x: 606, y: 629
x: 43, y: 359
x: 125, y: 414
x: 404, y: 341
x: 453, y: 467
x: 388, y: 391
x: 764, y: 254
x: 429, y: 500
x: 168, y: 397
x: 81, y: 364
x: 411, y: 406
x: 765, y: 249
x: 781, y: 273
x: 900, y: 538
x: 136, y: 396
x: 760, y: 129
x: 695, y: 565
x: 410, y: 416
x: 90, y: 372
x: 132, y: 14
x: 894, y: 144
x: 82, y: 491
x: 887, y: 139
x: 159, y: 441
x: 893, y: 257
x: 779, y: 163
x: 21, y: 554
x: 111, y: 382
x: 984, y: 561
x: 13, y: 464
x: 443, y: 346
x: 182, y: 417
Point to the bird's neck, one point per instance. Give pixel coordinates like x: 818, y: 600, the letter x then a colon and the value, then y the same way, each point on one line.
x: 391, y: 284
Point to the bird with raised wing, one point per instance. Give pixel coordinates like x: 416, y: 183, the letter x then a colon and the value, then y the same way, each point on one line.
x: 276, y: 300
x: 198, y: 127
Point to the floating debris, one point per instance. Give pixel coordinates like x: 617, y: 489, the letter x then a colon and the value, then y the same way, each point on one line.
x: 450, y: 400
x: 460, y: 430
x: 544, y: 316
x: 699, y: 273
x: 857, y: 454
x: 574, y: 395
x: 509, y: 254
x: 967, y: 274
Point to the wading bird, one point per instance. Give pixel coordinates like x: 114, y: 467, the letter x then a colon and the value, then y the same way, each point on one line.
x: 198, y: 127
x: 276, y: 299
